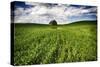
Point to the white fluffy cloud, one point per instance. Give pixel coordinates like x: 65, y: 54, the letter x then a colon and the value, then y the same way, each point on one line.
x: 40, y: 13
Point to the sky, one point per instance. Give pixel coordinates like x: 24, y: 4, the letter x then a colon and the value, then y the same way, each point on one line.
x: 43, y: 13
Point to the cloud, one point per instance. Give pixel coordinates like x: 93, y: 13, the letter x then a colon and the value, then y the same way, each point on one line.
x: 45, y: 12
x: 19, y: 11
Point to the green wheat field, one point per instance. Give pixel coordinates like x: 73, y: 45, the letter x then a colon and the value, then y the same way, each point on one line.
x: 46, y: 44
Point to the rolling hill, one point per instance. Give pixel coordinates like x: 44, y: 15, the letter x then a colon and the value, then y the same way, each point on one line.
x: 46, y: 44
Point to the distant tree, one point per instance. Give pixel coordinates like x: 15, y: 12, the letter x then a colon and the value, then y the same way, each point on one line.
x: 53, y: 22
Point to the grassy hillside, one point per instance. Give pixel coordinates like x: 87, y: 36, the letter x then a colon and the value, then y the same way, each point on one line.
x: 44, y: 44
